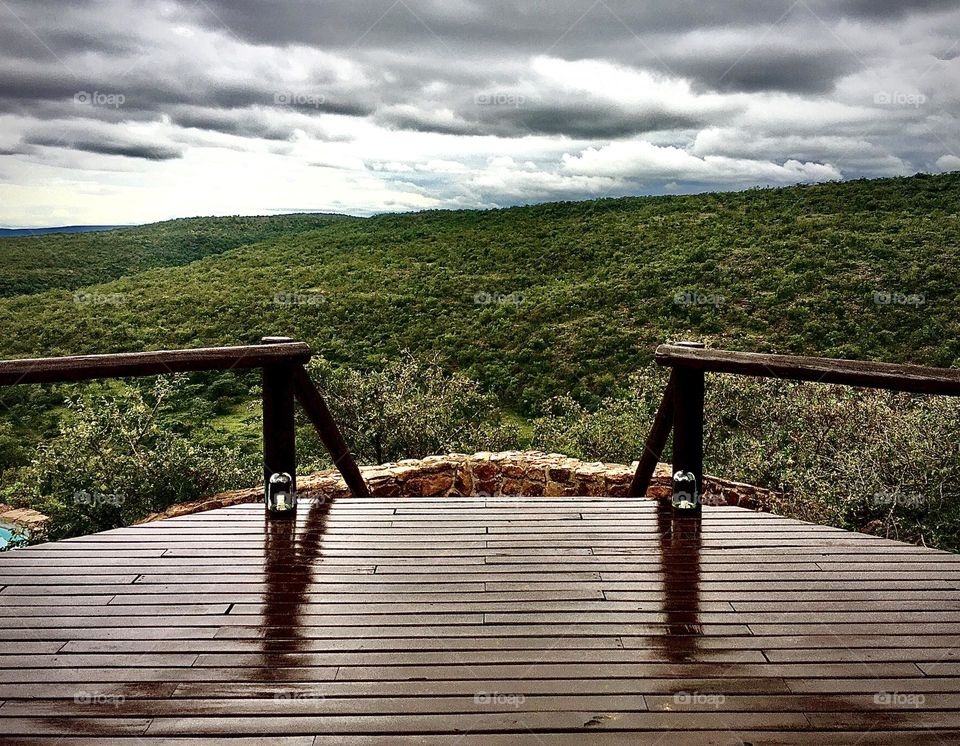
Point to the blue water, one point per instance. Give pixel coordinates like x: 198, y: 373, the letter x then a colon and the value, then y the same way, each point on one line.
x: 5, y: 535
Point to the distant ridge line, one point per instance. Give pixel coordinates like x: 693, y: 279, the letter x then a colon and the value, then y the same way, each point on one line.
x: 11, y: 232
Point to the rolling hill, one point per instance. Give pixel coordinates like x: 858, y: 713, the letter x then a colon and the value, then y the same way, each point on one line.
x: 31, y: 262
x: 531, y: 302
x: 534, y: 301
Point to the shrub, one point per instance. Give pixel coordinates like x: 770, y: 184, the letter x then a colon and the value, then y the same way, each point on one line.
x: 616, y: 430
x: 115, y: 460
x: 11, y: 446
x: 884, y: 462
x: 409, y: 408
x: 878, y: 461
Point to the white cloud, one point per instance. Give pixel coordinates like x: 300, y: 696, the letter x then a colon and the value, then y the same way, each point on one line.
x: 643, y: 160
x: 479, y: 104
x: 948, y: 163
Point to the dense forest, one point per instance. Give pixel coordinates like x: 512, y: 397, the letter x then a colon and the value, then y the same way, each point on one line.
x: 531, y: 303
x: 538, y: 301
x: 32, y: 264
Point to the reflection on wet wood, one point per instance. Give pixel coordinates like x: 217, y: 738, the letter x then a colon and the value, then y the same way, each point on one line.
x: 480, y: 620
x: 680, y: 570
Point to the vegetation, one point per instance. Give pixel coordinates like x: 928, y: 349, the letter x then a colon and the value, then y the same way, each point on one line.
x: 860, y: 459
x: 32, y: 264
x: 409, y: 409
x: 118, y: 458
x: 535, y: 302
x: 615, y: 431
x: 536, y: 316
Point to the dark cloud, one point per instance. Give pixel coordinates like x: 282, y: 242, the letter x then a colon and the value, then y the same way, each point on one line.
x: 233, y: 122
x: 441, y: 40
x: 142, y: 89
x: 338, y: 83
x: 588, y: 122
x: 536, y: 25
x: 145, y: 151
x: 407, y: 46
x: 892, y: 9
x: 21, y: 87
x: 753, y: 70
x: 421, y: 121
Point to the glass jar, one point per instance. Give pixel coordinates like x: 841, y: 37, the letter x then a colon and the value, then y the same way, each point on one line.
x: 686, y: 493
x: 280, y: 497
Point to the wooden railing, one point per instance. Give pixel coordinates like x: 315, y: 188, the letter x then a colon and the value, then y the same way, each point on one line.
x: 682, y: 406
x: 285, y: 381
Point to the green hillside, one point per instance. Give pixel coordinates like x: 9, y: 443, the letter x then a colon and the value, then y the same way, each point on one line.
x: 586, y: 290
x: 525, y: 304
x: 32, y: 264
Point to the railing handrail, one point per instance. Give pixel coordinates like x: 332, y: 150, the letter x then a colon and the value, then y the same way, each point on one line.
x: 284, y: 381
x: 890, y: 376
x: 127, y: 364
x: 681, y: 409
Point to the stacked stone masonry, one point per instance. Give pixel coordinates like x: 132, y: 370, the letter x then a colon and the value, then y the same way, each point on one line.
x: 24, y: 520
x: 508, y: 473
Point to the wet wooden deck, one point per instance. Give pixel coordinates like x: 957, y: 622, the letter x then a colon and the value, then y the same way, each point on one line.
x: 480, y: 621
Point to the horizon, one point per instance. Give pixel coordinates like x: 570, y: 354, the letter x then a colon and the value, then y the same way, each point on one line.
x: 123, y: 113
x: 363, y: 216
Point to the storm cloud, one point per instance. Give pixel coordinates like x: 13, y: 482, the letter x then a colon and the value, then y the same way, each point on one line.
x: 408, y: 104
x: 146, y: 151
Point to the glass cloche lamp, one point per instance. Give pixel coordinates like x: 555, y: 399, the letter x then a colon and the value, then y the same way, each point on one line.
x: 686, y: 493
x: 280, y: 497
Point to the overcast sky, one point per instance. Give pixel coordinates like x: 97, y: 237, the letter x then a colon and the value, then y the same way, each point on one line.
x: 128, y: 111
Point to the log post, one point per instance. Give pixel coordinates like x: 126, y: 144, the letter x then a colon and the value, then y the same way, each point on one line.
x: 688, y: 419
x: 279, y: 427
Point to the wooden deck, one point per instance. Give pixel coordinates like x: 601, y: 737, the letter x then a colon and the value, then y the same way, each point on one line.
x: 480, y: 621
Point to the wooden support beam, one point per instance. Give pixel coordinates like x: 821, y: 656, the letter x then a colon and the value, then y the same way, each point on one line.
x: 688, y: 401
x: 688, y: 398
x: 316, y: 409
x: 656, y: 442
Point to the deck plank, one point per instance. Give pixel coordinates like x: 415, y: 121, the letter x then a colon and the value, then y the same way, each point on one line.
x: 481, y: 620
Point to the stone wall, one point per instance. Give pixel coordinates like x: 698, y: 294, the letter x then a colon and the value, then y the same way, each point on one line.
x: 29, y: 522
x: 510, y: 473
